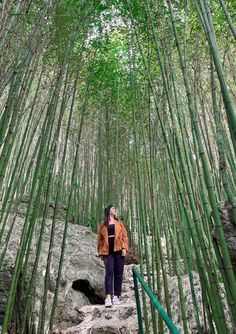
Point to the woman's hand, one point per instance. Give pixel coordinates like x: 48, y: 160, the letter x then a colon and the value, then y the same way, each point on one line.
x: 123, y: 252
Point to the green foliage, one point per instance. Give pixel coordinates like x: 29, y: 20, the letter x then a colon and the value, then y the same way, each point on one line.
x: 119, y: 118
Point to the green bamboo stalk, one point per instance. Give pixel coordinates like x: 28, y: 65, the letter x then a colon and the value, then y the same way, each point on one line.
x: 30, y: 216
x: 208, y: 178
x: 41, y: 324
x: 46, y: 207
x: 220, y: 143
x: 219, y: 306
x: 140, y: 204
x: 209, y: 30
x: 84, y: 107
x: 180, y: 286
x: 14, y: 123
x: 19, y: 190
x: 10, y: 23
x: 180, y: 188
x: 228, y: 18
x: 188, y: 262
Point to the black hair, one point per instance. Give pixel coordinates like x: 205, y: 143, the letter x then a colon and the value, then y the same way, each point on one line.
x: 106, y: 214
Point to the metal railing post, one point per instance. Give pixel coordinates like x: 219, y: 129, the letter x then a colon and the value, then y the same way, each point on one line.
x: 136, y: 275
x: 139, y: 311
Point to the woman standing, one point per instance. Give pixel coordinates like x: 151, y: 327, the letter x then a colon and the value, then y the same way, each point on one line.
x: 112, y: 242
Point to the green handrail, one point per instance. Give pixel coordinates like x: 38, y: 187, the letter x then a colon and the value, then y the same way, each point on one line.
x: 154, y: 300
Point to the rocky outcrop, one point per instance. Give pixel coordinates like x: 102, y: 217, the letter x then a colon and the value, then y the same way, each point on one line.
x: 21, y: 208
x: 82, y: 273
x: 80, y: 306
x: 122, y: 319
x: 119, y: 319
x: 132, y: 256
x: 229, y: 227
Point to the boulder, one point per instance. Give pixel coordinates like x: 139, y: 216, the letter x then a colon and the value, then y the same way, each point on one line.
x: 119, y: 319
x: 132, y: 255
x: 82, y: 279
x: 229, y: 227
x: 122, y: 319
x: 20, y: 206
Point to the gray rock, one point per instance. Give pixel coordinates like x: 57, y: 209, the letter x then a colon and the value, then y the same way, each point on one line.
x: 82, y: 268
x: 120, y: 319
x: 82, y: 289
x: 5, y: 278
x: 20, y: 206
x: 229, y: 227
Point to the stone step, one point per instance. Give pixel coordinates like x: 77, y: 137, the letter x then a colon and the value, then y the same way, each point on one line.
x: 113, y: 320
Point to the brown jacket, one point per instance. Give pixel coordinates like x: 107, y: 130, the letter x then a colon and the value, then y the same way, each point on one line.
x: 121, y: 238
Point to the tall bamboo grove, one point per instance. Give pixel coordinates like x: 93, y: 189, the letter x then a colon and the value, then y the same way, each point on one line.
x: 130, y: 103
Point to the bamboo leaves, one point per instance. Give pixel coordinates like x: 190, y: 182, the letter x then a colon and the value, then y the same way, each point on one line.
x: 119, y: 102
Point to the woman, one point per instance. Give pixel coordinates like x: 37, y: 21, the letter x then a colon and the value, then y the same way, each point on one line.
x: 112, y: 242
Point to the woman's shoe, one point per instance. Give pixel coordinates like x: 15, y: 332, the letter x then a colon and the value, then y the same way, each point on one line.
x: 116, y: 300
x: 108, y: 302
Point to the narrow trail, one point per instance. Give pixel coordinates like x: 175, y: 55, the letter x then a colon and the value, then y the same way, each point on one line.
x: 97, y: 319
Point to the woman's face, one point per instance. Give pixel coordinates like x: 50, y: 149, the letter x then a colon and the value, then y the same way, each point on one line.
x: 113, y: 211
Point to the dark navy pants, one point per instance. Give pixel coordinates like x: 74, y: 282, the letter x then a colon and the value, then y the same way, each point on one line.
x: 114, y: 266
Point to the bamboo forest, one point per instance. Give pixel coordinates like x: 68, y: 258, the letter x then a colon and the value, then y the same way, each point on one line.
x: 130, y: 103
